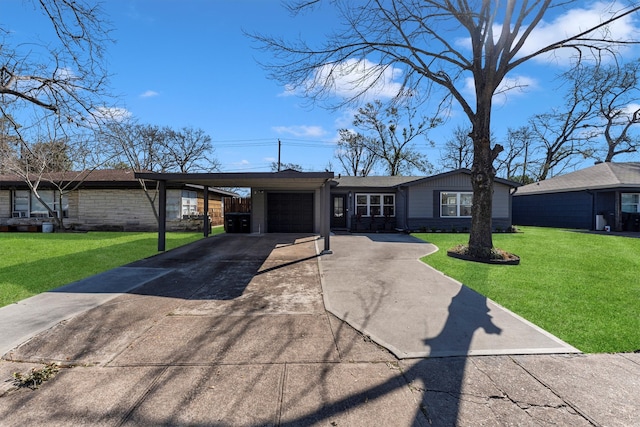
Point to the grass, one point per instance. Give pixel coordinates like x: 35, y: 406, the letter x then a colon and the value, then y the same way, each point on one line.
x: 31, y: 263
x: 583, y: 288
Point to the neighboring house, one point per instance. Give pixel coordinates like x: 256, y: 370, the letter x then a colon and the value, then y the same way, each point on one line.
x: 438, y: 202
x: 105, y: 200
x: 607, y: 194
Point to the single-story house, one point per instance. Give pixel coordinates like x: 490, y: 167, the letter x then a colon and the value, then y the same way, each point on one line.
x: 105, y: 200
x: 316, y: 202
x: 438, y: 202
x: 604, y: 195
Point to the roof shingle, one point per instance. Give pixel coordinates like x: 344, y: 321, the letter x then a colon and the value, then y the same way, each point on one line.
x: 600, y: 176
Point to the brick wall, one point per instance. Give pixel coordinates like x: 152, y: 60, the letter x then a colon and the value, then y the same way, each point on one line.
x: 113, y: 209
x: 119, y: 210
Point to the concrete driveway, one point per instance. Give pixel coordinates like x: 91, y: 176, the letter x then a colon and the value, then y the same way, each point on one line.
x: 377, y: 284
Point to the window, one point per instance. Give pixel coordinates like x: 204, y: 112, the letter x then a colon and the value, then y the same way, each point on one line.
x: 189, y: 202
x: 376, y: 204
x: 455, y: 204
x: 21, y: 203
x: 25, y: 204
x: 630, y: 202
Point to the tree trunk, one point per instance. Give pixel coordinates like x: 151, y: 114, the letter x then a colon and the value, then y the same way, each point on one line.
x: 482, y: 176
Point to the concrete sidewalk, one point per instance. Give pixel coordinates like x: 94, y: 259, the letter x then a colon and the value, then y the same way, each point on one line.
x: 233, y: 331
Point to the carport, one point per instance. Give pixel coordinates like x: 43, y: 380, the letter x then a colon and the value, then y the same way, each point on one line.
x: 283, y: 201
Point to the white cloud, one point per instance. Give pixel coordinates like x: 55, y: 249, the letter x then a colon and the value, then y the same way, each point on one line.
x: 301, y: 131
x: 568, y: 24
x: 115, y: 114
x: 574, y: 22
x: 353, y: 77
x: 630, y: 109
x: 270, y: 159
x: 149, y: 94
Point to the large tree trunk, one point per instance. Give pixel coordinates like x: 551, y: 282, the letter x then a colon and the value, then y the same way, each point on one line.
x: 482, y: 176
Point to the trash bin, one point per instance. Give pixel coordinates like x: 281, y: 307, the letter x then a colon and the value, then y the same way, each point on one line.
x: 600, y: 222
x: 47, y: 227
x: 245, y: 223
x: 230, y: 223
x: 237, y: 222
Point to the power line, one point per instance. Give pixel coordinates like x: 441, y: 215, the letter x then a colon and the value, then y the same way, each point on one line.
x: 270, y: 142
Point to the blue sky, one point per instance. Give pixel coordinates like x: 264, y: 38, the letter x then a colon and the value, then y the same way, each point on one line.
x: 187, y: 63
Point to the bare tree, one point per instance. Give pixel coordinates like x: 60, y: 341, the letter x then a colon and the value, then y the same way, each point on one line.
x: 9, y: 143
x: 564, y: 137
x: 615, y: 92
x: 352, y: 153
x: 285, y: 166
x: 54, y: 156
x: 68, y: 78
x: 514, y: 161
x: 422, y: 41
x: 390, y: 141
x: 39, y: 155
x: 53, y: 94
x: 458, y: 150
x: 188, y: 150
x: 136, y: 148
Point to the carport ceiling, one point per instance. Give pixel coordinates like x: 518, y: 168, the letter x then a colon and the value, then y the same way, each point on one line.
x: 285, y: 180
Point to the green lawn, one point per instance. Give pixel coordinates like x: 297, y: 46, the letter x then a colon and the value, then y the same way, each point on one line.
x: 583, y: 288
x: 31, y: 263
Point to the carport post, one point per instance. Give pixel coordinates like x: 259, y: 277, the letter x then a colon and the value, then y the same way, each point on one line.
x: 162, y: 215
x: 205, y: 218
x: 326, y: 215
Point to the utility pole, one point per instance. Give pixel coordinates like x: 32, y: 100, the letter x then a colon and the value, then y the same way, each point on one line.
x: 279, y: 146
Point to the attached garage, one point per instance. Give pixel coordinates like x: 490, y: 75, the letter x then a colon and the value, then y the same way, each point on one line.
x: 290, y: 212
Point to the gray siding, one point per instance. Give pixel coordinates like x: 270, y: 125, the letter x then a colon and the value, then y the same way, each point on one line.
x: 424, y: 204
x: 258, y: 211
x: 401, y: 208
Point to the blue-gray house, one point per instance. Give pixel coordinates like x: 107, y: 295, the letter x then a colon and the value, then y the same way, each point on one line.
x: 607, y: 194
x: 441, y: 202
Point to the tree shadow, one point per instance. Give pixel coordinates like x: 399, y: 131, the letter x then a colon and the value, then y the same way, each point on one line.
x: 201, y: 353
x: 440, y: 380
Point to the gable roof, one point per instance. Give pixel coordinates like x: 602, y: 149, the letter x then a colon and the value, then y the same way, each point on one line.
x: 598, y: 177
x: 466, y: 172
x: 373, y: 181
x: 398, y: 181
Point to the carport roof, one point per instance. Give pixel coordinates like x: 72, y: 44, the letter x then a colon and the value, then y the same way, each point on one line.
x: 284, y: 180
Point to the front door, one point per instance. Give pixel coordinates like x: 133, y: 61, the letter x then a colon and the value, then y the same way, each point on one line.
x: 339, y: 211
